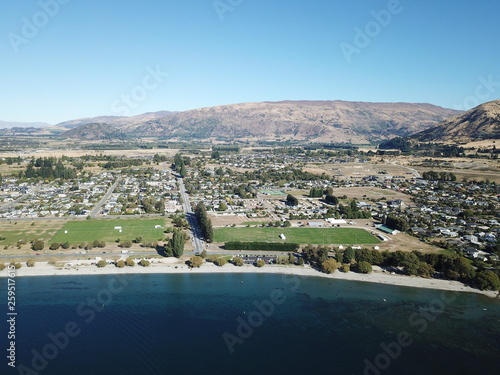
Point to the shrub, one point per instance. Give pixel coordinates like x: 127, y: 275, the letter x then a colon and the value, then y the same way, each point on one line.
x: 145, y: 263
x: 130, y: 262
x: 65, y: 245
x: 102, y: 263
x: 126, y: 244
x: 30, y: 263
x: 196, y: 261
x: 237, y: 261
x: 346, y: 267
x: 2, y: 266
x: 260, y: 263
x: 54, y: 246
x: 16, y: 265
x: 120, y: 264
x: 220, y: 261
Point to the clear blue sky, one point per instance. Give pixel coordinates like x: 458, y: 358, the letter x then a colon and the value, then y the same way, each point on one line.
x: 87, y: 55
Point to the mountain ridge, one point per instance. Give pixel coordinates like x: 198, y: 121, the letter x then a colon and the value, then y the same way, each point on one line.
x: 479, y: 123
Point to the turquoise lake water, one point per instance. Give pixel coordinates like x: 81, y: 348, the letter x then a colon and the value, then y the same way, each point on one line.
x: 246, y: 324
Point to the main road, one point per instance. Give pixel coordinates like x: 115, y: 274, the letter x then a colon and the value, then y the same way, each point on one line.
x: 196, y: 236
x: 97, y: 208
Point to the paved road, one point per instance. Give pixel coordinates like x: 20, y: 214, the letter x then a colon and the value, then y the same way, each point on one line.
x: 196, y: 236
x: 97, y: 208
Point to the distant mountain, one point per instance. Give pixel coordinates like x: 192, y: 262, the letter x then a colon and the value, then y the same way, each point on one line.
x: 307, y: 121
x: 119, y: 121
x: 95, y: 132
x: 313, y: 121
x: 482, y: 122
x: 10, y: 124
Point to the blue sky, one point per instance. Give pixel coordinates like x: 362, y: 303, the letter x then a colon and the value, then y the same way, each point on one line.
x: 95, y: 57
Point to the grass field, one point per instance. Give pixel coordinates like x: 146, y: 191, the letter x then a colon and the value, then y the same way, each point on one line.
x: 316, y: 236
x: 14, y: 231
x: 103, y: 230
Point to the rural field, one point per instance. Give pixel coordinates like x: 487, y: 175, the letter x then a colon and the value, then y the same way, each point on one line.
x: 315, y: 236
x: 104, y: 230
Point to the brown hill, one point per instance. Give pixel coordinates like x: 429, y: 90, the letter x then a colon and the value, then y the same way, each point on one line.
x: 95, y: 132
x: 482, y: 122
x: 313, y: 121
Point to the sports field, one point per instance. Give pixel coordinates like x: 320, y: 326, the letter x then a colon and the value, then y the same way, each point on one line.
x: 315, y: 236
x: 104, y: 230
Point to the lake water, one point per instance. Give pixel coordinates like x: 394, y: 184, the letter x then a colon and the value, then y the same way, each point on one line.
x: 246, y: 324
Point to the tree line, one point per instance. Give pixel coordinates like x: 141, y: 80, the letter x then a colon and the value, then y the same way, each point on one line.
x: 205, y: 223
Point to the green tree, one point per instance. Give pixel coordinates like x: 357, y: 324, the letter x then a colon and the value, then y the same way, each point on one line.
x: 329, y: 266
x: 291, y: 200
x: 102, y: 263
x: 177, y: 242
x: 364, y: 267
x: 260, y: 263
x: 487, y: 280
x: 38, y: 245
x: 120, y: 264
x: 54, y: 246
x: 183, y: 171
x: 144, y: 263
x: 30, y: 263
x: 349, y: 255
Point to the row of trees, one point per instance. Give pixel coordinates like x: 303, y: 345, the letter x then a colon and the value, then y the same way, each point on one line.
x: 180, y: 163
x: 439, y: 176
x: 205, y: 223
x: 49, y: 169
x: 452, y: 267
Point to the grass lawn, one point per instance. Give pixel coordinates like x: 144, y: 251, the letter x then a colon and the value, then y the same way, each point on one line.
x: 316, y: 236
x: 103, y: 230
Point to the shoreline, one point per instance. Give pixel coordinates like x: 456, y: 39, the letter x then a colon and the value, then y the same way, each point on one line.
x: 172, y: 266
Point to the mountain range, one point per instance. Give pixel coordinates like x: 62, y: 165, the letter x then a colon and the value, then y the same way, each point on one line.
x: 306, y: 121
x: 311, y: 121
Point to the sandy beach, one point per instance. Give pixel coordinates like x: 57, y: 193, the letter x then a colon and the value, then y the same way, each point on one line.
x: 171, y: 265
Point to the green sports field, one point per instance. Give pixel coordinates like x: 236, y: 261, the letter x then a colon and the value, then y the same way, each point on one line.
x: 315, y: 236
x: 103, y: 230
